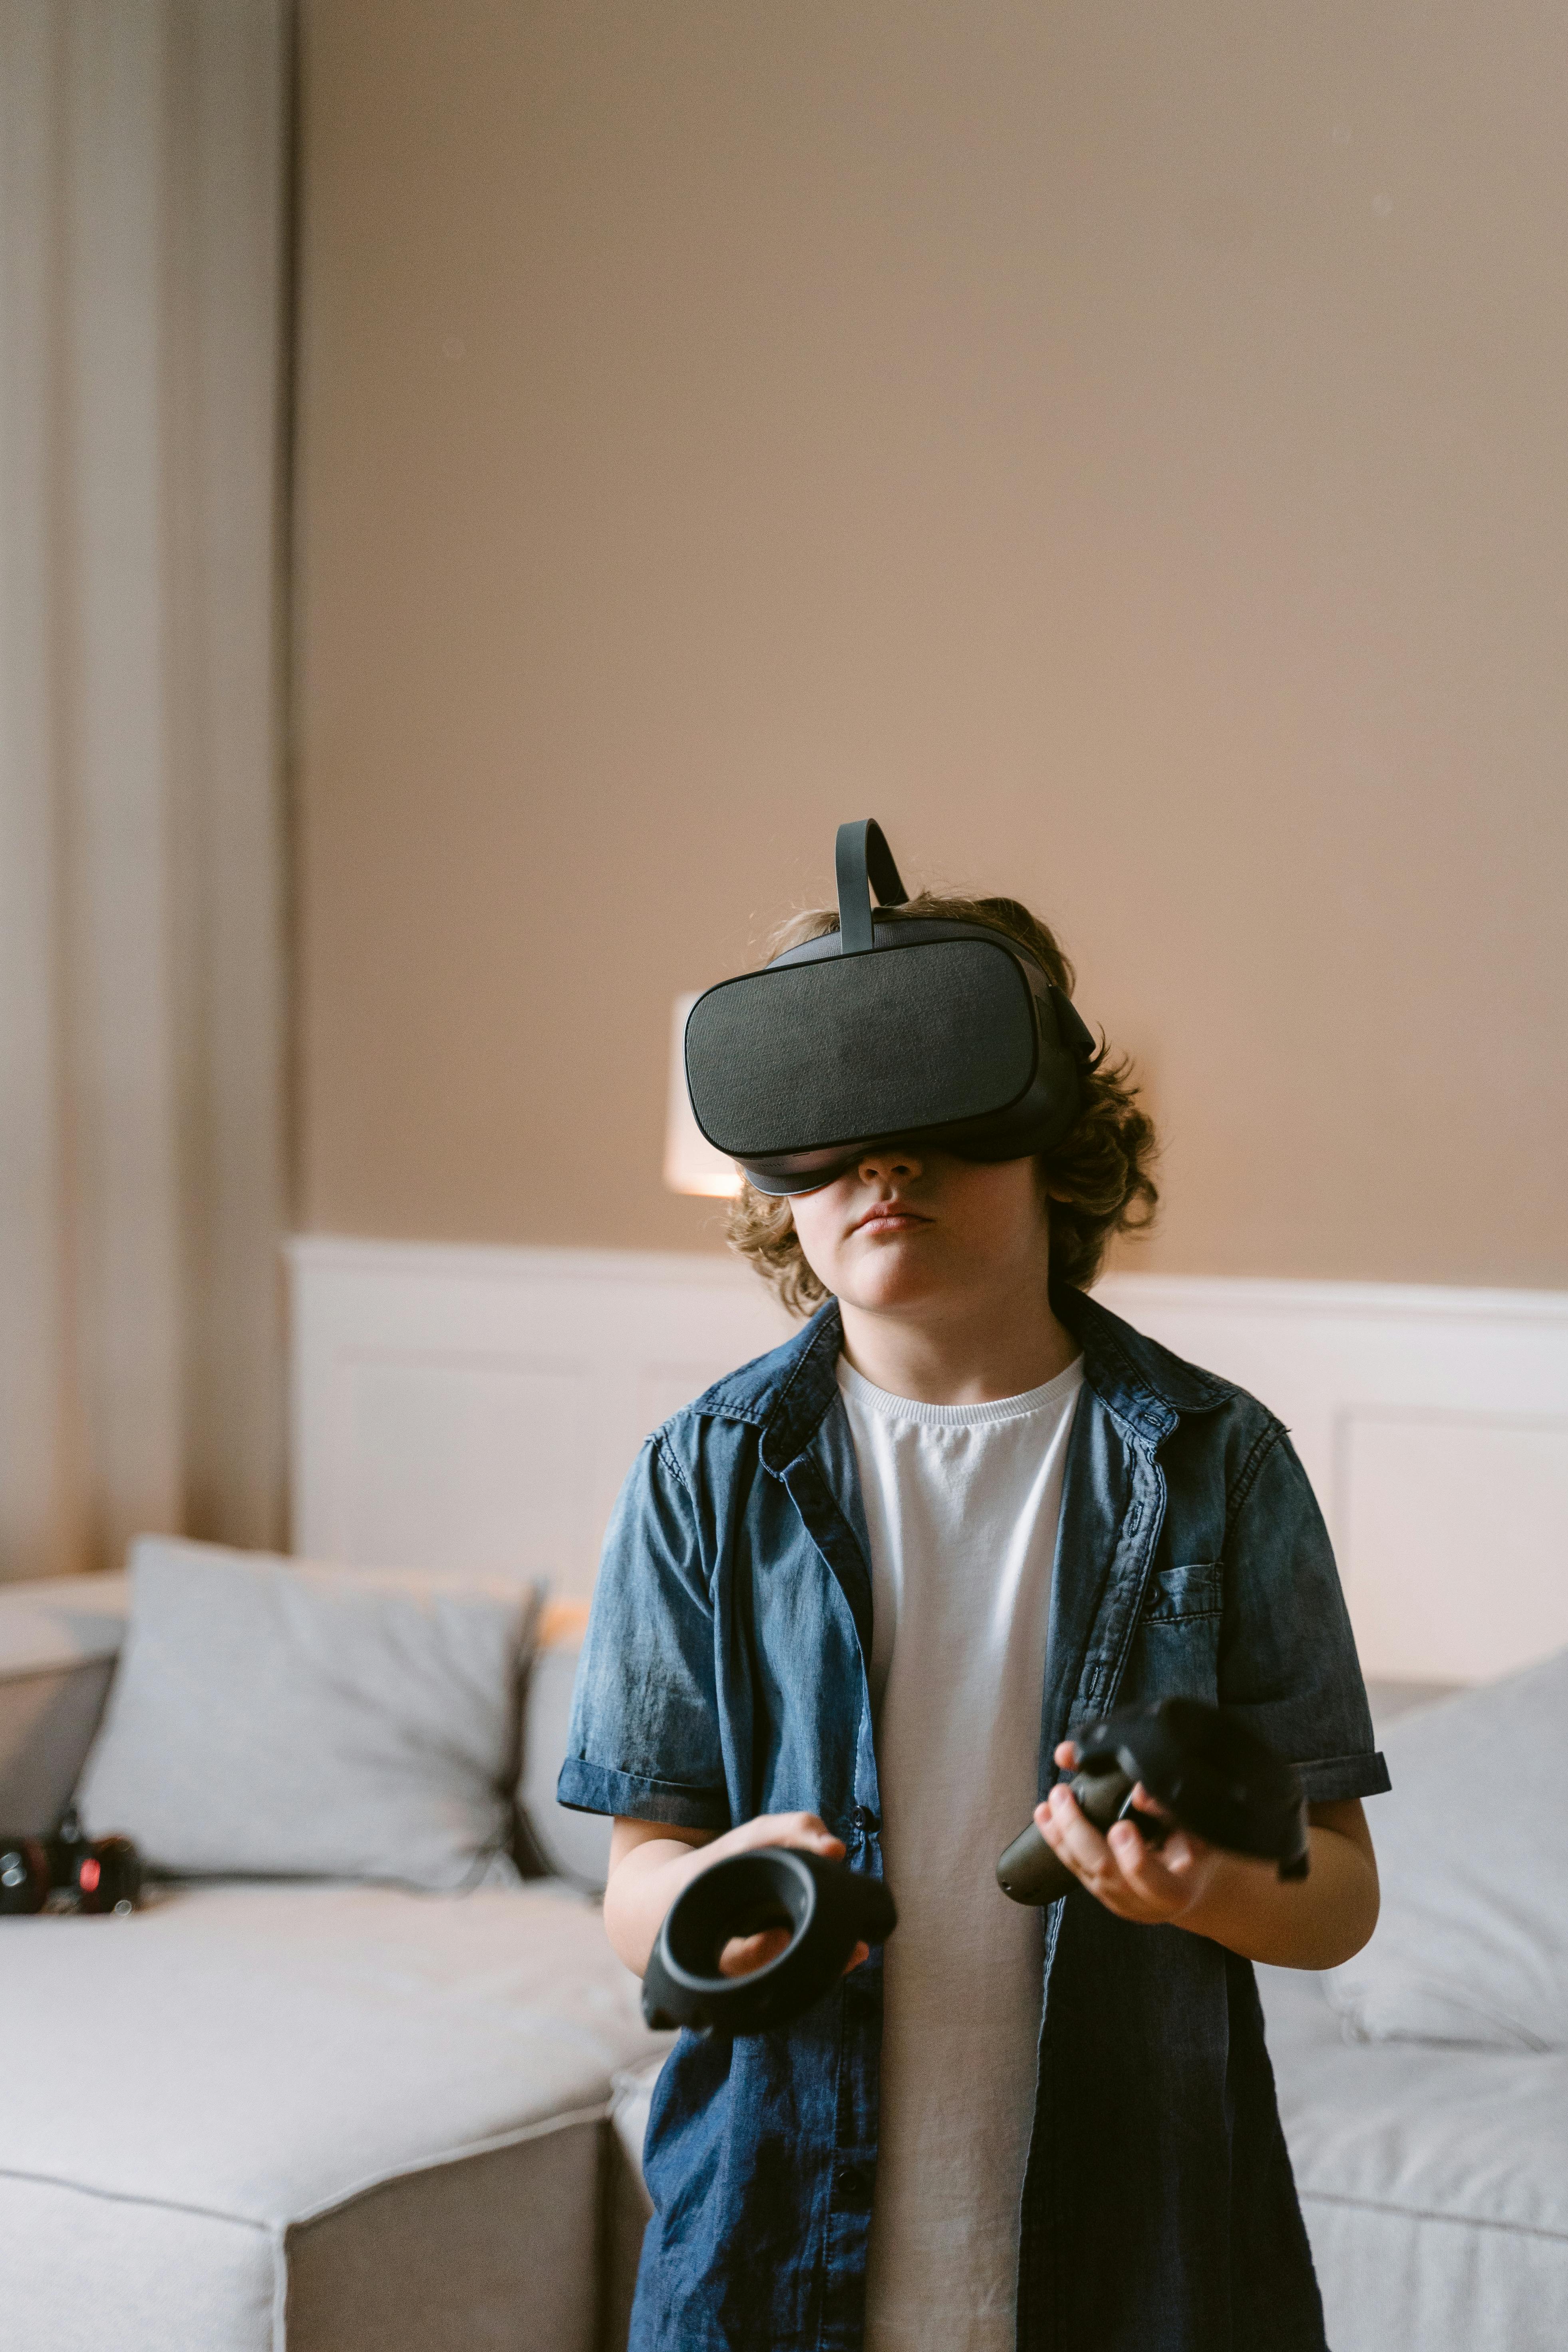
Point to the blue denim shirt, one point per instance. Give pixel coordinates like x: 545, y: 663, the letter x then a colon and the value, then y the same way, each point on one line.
x: 724, y: 1675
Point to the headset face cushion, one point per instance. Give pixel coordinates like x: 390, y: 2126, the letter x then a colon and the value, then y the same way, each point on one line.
x: 804, y: 1057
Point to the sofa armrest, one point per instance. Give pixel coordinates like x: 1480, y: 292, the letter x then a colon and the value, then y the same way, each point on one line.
x: 59, y: 1642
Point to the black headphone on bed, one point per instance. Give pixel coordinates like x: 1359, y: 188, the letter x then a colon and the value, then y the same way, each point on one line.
x: 68, y: 1871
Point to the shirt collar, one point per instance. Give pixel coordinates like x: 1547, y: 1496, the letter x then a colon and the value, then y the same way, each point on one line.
x: 1140, y: 1382
x: 787, y: 1392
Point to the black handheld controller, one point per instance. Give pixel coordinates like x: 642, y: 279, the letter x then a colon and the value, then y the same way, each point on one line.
x: 1213, y: 1774
x: 826, y: 1907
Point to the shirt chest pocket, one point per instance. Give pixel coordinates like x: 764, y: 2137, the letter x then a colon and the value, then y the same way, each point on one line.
x: 1175, y: 1652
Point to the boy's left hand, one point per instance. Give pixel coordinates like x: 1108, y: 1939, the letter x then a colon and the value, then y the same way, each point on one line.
x: 1301, y: 1922
x: 1152, y: 1885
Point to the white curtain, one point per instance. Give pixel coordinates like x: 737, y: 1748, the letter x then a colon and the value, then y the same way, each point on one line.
x: 143, y: 1061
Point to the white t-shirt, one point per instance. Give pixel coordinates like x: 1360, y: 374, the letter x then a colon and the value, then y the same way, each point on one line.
x: 962, y: 1504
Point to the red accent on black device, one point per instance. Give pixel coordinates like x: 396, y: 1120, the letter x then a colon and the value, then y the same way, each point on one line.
x: 93, y: 1874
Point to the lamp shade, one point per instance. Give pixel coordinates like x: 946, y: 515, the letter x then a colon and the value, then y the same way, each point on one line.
x: 691, y: 1162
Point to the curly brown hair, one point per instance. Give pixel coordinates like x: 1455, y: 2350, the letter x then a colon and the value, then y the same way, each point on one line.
x: 1099, y: 1177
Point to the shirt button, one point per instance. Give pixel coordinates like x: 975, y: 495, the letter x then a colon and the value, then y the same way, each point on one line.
x: 864, y: 1819
x: 852, y: 2187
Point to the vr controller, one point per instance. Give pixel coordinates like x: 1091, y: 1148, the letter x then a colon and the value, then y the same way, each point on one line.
x: 69, y: 1872
x: 1214, y: 1777
x: 905, y: 1028
x: 826, y: 1908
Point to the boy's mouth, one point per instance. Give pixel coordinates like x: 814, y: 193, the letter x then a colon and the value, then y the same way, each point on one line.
x: 889, y: 1217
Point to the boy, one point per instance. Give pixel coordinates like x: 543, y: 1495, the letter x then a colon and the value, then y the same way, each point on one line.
x: 833, y: 1593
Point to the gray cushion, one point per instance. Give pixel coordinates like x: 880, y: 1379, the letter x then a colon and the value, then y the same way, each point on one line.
x: 1472, y: 1945
x: 58, y: 1637
x: 273, y: 1717
x: 575, y: 1847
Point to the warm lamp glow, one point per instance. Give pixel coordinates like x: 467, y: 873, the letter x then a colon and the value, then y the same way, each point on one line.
x: 691, y: 1162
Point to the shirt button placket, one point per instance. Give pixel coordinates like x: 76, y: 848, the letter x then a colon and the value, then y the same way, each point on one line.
x: 852, y: 2187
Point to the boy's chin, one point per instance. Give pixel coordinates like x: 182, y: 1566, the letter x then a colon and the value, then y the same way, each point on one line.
x: 886, y: 1287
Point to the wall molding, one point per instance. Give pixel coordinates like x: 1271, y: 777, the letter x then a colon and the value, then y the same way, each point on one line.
x: 458, y: 1405
x: 1433, y: 1423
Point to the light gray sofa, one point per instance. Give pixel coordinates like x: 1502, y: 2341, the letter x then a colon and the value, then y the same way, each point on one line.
x: 307, y: 2117
x: 304, y: 2114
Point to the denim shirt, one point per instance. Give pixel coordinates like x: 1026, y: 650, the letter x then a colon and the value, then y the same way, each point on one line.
x: 724, y: 1675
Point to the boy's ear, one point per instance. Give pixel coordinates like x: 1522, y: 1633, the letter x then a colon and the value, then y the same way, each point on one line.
x: 1048, y: 1191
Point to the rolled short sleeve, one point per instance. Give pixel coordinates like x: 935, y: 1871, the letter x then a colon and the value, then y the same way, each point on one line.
x: 1288, y: 1658
x: 644, y: 1738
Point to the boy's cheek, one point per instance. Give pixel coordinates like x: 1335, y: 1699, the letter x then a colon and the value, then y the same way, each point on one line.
x: 817, y: 1249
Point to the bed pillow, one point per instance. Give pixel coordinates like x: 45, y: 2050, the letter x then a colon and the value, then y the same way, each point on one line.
x: 272, y: 1716
x: 555, y: 1838
x: 1472, y: 1943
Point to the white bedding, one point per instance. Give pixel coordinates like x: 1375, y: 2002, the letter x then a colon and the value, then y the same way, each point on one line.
x: 1433, y: 2182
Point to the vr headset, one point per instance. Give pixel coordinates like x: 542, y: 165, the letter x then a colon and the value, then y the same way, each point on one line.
x: 893, y: 1029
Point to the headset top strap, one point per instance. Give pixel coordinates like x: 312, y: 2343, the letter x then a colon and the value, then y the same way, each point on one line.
x: 864, y: 863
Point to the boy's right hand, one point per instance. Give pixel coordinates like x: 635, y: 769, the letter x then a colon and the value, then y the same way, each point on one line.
x: 651, y: 1863
x: 742, y: 1954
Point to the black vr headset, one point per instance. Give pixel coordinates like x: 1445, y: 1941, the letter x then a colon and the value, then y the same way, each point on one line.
x: 906, y: 1030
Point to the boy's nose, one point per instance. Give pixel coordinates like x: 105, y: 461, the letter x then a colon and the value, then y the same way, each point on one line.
x: 890, y: 1162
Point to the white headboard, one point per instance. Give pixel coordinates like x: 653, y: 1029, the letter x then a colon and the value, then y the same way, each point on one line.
x: 478, y: 1407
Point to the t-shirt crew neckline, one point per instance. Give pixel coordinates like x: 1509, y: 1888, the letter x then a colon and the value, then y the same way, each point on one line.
x: 959, y: 1416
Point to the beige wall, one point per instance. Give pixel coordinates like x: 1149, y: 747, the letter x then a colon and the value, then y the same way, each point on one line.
x: 1121, y: 446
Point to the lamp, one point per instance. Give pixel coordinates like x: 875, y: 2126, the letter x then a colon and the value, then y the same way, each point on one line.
x: 691, y: 1162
